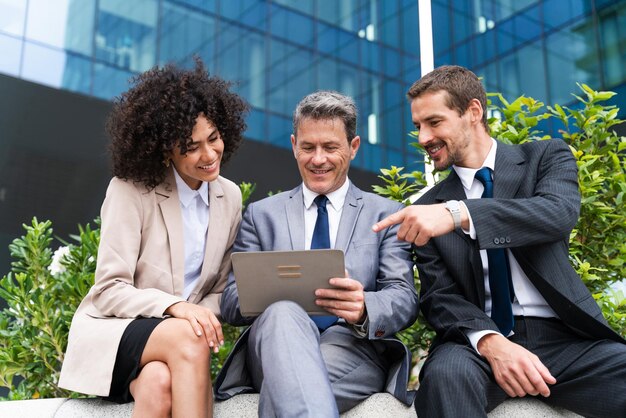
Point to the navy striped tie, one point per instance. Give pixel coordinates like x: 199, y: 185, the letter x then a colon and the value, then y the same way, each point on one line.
x: 321, y: 239
x: 499, y: 273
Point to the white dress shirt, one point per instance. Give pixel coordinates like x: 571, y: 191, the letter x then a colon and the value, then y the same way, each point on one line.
x: 334, y: 208
x: 528, y: 301
x: 194, y: 206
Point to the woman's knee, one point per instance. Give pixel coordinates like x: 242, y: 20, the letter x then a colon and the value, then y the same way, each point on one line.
x: 153, y: 387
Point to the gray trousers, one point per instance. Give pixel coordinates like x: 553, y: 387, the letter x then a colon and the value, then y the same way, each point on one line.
x: 590, y: 374
x: 300, y: 373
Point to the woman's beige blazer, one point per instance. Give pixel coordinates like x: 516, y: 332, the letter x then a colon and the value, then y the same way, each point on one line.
x: 140, y: 271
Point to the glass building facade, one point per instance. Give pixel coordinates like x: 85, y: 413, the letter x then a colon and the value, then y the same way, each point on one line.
x: 277, y: 51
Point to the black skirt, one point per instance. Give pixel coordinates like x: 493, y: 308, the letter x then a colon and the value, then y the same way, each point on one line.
x: 127, y: 363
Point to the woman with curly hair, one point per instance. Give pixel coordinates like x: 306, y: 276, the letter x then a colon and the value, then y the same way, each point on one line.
x: 146, y: 329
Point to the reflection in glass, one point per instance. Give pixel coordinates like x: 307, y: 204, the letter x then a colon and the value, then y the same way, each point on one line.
x: 12, y: 16
x: 43, y: 65
x: 11, y: 53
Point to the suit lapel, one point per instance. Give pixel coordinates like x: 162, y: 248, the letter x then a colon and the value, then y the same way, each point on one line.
x: 168, y: 201
x: 214, y: 236
x: 349, y: 216
x: 294, y: 210
x: 452, y: 189
x: 508, y: 172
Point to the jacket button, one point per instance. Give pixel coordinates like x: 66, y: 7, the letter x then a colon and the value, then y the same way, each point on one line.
x: 496, y: 241
x: 508, y: 240
x: 379, y: 333
x: 502, y: 240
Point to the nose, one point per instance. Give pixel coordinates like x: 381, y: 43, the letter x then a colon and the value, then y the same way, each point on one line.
x: 208, y: 152
x: 319, y: 157
x: 424, y: 137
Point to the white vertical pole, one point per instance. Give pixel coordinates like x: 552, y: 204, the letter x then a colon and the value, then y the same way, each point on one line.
x: 427, y: 62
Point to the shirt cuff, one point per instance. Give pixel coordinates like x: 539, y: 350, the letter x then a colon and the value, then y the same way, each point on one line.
x: 475, y: 336
x: 362, y: 328
x: 471, y: 232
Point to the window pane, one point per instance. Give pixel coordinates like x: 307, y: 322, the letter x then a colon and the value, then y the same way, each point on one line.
x: 43, y: 65
x: 291, y: 26
x: 11, y: 53
x: 109, y: 81
x: 12, y: 15
x: 77, y: 74
x: 184, y: 33
x: 126, y: 34
x: 247, y: 12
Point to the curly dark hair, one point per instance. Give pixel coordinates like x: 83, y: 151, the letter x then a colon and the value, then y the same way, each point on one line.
x: 159, y: 112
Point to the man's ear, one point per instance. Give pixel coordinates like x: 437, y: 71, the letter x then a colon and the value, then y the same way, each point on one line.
x: 293, y: 144
x: 354, y: 146
x: 476, y: 111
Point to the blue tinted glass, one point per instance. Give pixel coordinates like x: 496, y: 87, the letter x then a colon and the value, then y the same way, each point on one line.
x: 370, y: 55
x: 463, y: 21
x: 613, y: 39
x: 442, y: 38
x: 412, y: 68
x: 532, y: 77
x: 392, y: 66
x: 485, y: 46
x: 126, y: 35
x: 340, y: 13
x: 371, y: 156
x: 463, y: 55
x: 392, y: 131
x: 571, y: 57
x: 505, y: 36
x: 11, y: 53
x: 558, y: 12
x: 242, y: 59
x: 43, y: 65
x: 410, y: 28
x: 394, y: 157
x: 247, y: 12
x: 305, y: 6
x: 256, y: 125
x: 207, y: 5
x: 184, y: 33
x: 279, y: 131
x: 528, y: 25
x: 291, y: 26
x: 389, y: 8
x: 109, y: 82
x: 80, y: 26
x: 338, y: 43
x: 389, y: 30
x: 291, y: 76
x: 77, y: 74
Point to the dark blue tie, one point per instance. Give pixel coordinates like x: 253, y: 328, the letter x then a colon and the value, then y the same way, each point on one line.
x: 499, y: 273
x: 321, y: 239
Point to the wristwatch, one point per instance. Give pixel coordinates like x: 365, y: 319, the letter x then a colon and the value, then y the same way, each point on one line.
x: 454, y: 208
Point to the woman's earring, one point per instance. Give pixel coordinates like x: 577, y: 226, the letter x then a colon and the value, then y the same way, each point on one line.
x: 166, y: 161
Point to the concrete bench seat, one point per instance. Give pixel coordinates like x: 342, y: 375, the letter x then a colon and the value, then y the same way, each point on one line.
x: 245, y: 406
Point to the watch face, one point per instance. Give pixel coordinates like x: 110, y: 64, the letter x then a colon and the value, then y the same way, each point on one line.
x: 453, y: 205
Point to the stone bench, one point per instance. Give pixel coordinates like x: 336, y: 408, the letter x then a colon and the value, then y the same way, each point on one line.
x: 245, y: 406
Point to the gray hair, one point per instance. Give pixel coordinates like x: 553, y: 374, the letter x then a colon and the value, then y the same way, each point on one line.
x: 326, y: 104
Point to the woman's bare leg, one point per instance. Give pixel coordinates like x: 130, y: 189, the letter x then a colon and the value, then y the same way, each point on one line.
x: 152, y: 391
x: 187, y: 357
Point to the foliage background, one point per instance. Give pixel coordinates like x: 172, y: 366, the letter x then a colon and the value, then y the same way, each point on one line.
x: 43, y: 291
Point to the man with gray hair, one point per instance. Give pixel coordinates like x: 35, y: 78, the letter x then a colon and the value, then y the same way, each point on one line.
x: 301, y: 366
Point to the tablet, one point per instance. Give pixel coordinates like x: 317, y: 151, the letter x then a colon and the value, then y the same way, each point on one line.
x: 265, y: 277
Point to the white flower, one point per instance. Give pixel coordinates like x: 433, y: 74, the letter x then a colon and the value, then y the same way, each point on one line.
x: 56, y: 267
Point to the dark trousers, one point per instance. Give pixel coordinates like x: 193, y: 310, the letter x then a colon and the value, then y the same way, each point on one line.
x: 590, y: 374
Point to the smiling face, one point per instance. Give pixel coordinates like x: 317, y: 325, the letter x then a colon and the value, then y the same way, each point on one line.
x: 203, y: 157
x: 444, y: 134
x: 323, y: 153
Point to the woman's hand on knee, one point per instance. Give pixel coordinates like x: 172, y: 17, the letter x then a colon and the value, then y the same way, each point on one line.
x: 202, y: 320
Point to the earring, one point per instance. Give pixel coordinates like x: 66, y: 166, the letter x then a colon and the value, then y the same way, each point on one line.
x: 166, y: 161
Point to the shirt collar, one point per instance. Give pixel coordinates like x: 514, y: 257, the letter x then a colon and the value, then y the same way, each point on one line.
x: 467, y: 174
x: 186, y: 194
x: 335, y: 198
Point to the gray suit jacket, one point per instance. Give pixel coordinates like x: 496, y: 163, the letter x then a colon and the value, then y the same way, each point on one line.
x: 535, y: 206
x: 379, y: 261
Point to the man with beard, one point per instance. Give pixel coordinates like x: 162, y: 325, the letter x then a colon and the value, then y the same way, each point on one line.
x: 512, y: 317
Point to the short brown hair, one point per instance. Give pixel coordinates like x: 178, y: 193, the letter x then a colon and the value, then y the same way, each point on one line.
x: 461, y: 84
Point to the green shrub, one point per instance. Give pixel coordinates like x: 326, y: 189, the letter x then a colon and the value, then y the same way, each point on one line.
x: 43, y: 291
x: 598, y: 243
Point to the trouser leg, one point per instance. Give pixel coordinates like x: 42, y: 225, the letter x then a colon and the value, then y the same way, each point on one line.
x: 591, y: 375
x: 355, y: 368
x: 286, y: 364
